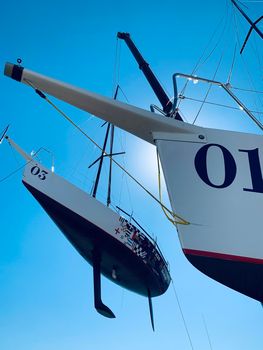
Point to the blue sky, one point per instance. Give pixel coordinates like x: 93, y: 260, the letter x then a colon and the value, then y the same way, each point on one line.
x: 46, y: 299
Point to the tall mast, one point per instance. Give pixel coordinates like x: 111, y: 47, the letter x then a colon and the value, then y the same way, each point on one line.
x: 110, y: 128
x: 101, y: 162
x: 110, y: 169
x: 253, y: 24
x: 111, y: 153
x: 167, y: 105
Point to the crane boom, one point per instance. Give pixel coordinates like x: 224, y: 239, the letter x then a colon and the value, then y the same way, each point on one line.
x: 167, y: 105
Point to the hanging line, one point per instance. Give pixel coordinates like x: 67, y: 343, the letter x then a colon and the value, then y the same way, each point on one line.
x: 207, y: 333
x: 201, y: 61
x: 258, y: 100
x: 182, y: 315
x: 116, y: 84
x: 218, y: 104
x: 170, y: 215
x: 20, y: 167
x: 14, y: 172
x: 208, y: 91
x: 248, y: 90
x: 232, y: 65
x: 117, y: 64
x: 177, y: 218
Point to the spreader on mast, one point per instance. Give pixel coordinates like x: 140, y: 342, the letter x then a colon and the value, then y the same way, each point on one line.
x: 252, y: 24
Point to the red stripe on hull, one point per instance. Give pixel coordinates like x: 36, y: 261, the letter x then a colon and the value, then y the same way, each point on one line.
x: 222, y: 256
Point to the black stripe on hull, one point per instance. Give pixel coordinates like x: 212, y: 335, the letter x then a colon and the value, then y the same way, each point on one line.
x: 242, y: 276
x: 132, y: 273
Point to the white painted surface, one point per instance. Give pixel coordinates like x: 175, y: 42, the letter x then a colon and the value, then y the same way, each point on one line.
x: 223, y: 220
x: 72, y: 197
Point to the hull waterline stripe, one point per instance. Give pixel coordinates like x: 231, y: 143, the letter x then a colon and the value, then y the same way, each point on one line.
x: 223, y: 256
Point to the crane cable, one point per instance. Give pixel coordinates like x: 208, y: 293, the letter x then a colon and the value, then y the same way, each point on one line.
x: 174, y: 218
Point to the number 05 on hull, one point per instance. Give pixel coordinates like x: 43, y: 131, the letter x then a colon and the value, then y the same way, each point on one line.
x: 108, y: 241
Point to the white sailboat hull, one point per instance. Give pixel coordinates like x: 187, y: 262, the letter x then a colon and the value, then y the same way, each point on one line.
x: 88, y: 224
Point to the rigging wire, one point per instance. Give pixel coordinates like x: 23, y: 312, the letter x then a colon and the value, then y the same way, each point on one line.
x: 125, y: 96
x: 230, y: 73
x: 116, y: 85
x: 207, y: 333
x: 247, y: 90
x: 258, y: 55
x: 14, y: 172
x: 232, y: 65
x: 217, y: 68
x: 176, y: 218
x: 202, y: 61
x: 20, y: 167
x: 182, y: 315
x: 217, y: 104
x: 226, y: 17
x: 258, y: 101
x: 116, y: 69
x: 208, y: 90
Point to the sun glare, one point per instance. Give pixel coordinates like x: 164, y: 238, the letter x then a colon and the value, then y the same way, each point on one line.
x: 144, y: 160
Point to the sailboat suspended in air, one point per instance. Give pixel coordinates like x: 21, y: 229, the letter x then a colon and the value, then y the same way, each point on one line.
x: 213, y: 177
x: 115, y: 246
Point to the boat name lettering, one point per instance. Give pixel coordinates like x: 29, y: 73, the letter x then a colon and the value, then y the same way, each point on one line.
x: 41, y: 174
x: 230, y: 167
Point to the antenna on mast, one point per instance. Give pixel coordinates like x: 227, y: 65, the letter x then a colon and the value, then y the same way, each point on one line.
x: 252, y: 24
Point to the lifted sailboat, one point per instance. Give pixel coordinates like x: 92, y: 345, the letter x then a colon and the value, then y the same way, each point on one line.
x: 213, y: 177
x: 113, y: 245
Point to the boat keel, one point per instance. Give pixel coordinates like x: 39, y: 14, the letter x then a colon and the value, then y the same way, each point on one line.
x: 99, y: 306
x: 151, y: 308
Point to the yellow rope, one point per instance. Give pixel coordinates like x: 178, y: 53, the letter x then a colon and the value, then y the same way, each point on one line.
x: 175, y: 218
x: 171, y: 216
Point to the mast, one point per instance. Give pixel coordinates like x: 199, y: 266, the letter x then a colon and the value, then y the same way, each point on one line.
x: 110, y: 169
x: 252, y: 24
x: 110, y: 128
x: 111, y: 152
x: 167, y: 105
x: 101, y: 162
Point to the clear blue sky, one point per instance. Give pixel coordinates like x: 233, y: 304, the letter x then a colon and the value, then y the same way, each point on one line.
x: 46, y: 297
